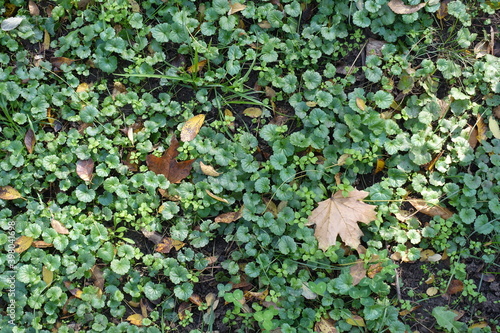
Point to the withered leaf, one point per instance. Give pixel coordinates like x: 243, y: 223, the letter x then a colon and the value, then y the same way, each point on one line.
x: 74, y: 291
x: 47, y: 275
x: 58, y: 227
x: 22, y: 244
x: 208, y: 170
x: 216, y: 197
x: 167, y: 243
x: 339, y: 216
x: 9, y: 193
x: 358, y: 272
x: 360, y: 103
x: 118, y: 88
x: 443, y: 10
x: 168, y: 166
x: 152, y: 236
x: 325, y: 325
x: 481, y: 128
x: 57, y: 62
x: 373, y: 270
x: 42, y: 245
x: 252, y: 112
x: 473, y: 136
x: 380, y: 166
x: 192, y: 127
x: 432, y: 210
x: 98, y: 277
x: 356, y: 320
x: 197, y: 67
x: 456, y: 286
x: 236, y: 7
x: 181, y: 311
x: 135, y: 319
x: 84, y: 169
x: 494, y: 127
x: 399, y: 7
x: 33, y: 8
x: 228, y: 217
x: 196, y: 299
x: 29, y: 140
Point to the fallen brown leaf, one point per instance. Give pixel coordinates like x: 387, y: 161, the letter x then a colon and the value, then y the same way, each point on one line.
x: 228, y: 217
x: 339, y: 215
x: 358, y: 272
x: 135, y: 319
x: 167, y: 165
x: 252, y: 112
x: 481, y: 128
x: 455, y: 286
x: 29, y: 140
x: 41, y: 244
x: 197, y: 67
x: 22, y: 244
x: 236, y: 7
x: 208, y: 170
x: 423, y: 207
x: 216, y: 197
x: 74, y: 291
x: 84, y: 169
x: 325, y: 325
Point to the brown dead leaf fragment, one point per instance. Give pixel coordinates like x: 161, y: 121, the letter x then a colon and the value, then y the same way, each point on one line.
x: 33, y: 8
x: 168, y: 166
x: 74, y: 291
x: 47, y: 275
x: 236, y: 7
x: 197, y: 67
x: 481, y: 128
x: 358, y: 272
x: 98, y: 277
x: 84, y: 169
x: 192, y: 127
x: 456, y: 286
x: 325, y: 325
x: 432, y: 210
x: 443, y: 9
x: 57, y: 62
x: 216, y: 197
x: 9, y: 193
x: 208, y: 170
x: 399, y: 7
x: 167, y: 243
x: 338, y: 216
x: 135, y: 319
x: 42, y: 245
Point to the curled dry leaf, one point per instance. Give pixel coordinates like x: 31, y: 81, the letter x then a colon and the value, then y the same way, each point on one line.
x: 432, y: 210
x: 399, y: 7
x: 481, y: 128
x: 192, y: 127
x: 196, y: 299
x: 338, y: 216
x: 213, y: 196
x: 208, y: 170
x: 373, y: 270
x: 152, y: 236
x: 181, y: 311
x: 84, y: 169
x: 167, y: 165
x: 9, y: 193
x: 118, y: 88
x: 252, y: 112
x: 167, y: 243
x: 236, y: 7
x: 58, y: 227
x: 22, y: 244
x: 77, y: 292
x: 473, y: 136
x: 264, y: 24
x: 380, y: 166
x: 42, y: 245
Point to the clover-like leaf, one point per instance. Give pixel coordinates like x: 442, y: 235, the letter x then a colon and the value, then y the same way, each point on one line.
x: 339, y: 216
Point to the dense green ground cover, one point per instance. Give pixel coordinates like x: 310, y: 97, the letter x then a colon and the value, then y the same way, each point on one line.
x: 398, y: 99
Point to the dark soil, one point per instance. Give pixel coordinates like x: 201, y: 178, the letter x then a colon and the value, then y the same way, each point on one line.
x: 412, y: 277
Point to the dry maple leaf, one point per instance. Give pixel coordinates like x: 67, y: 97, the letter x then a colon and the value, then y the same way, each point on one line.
x: 339, y: 216
x: 168, y: 166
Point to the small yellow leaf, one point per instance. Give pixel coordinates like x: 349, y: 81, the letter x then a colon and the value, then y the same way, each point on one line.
x: 481, y: 128
x: 197, y: 67
x: 9, y: 193
x: 23, y: 243
x: 311, y: 104
x: 47, y: 275
x: 380, y: 166
x: 356, y: 320
x: 342, y: 159
x: 252, y: 112
x: 135, y: 319
x: 481, y: 324
x: 83, y: 87
x: 177, y: 244
x: 325, y: 325
x: 430, y: 279
x: 494, y: 128
x: 360, y: 103
x: 208, y: 170
x: 192, y: 127
x: 213, y: 196
x: 236, y: 7
x: 46, y: 41
x: 58, y: 227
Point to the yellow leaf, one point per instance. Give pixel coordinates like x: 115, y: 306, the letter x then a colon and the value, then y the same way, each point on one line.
x: 47, y: 275
x: 213, y: 196
x: 481, y: 128
x: 83, y: 87
x: 46, y: 41
x: 311, y: 104
x: 192, y: 127
x: 23, y: 243
x: 481, y: 324
x: 197, y: 67
x: 177, y: 244
x: 399, y: 7
x: 494, y: 128
x: 9, y: 193
x: 252, y: 112
x: 236, y: 7
x: 135, y: 319
x: 356, y: 320
x: 360, y: 103
x: 380, y: 166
